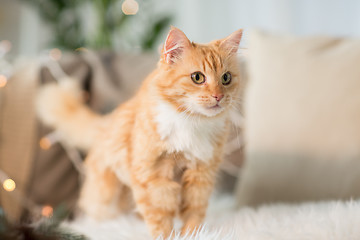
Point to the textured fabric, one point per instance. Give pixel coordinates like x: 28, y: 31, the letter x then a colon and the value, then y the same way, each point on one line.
x: 17, y: 143
x: 311, y: 221
x: 302, y: 112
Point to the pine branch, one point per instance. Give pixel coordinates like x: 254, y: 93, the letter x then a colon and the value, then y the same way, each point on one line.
x: 45, y: 229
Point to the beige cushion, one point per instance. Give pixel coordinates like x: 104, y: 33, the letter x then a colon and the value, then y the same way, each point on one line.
x: 302, y: 111
x: 17, y: 135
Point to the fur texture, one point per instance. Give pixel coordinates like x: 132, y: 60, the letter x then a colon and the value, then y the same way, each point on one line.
x: 159, y: 151
x: 335, y: 220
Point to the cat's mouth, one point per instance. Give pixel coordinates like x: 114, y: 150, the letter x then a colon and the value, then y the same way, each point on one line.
x: 216, y: 106
x: 213, y: 110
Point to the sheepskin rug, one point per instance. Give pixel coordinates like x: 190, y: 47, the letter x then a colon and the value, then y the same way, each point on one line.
x: 319, y: 221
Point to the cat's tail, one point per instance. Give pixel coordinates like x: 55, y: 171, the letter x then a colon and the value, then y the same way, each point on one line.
x: 62, y: 107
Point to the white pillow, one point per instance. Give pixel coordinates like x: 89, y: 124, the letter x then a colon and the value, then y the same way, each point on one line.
x: 302, y: 110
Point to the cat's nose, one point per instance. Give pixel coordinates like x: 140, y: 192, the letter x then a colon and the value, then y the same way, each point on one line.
x: 218, y: 97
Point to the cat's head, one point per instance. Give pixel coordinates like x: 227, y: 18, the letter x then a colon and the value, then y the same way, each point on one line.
x: 200, y: 79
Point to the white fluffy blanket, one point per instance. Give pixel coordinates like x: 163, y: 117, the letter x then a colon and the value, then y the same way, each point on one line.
x: 318, y: 221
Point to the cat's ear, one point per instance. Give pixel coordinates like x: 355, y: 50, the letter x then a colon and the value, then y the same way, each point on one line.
x: 175, y: 45
x: 231, y: 43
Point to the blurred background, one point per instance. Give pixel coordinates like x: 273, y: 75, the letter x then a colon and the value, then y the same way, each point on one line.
x: 109, y: 46
x: 34, y: 25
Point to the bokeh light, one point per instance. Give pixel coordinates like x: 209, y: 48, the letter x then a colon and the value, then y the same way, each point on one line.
x: 47, y: 211
x: 3, y: 80
x: 55, y: 54
x: 130, y: 7
x: 9, y: 185
x: 45, y: 143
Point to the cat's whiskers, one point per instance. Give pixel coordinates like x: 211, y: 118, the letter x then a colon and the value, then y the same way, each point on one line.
x: 188, y: 111
x: 234, y: 107
x: 237, y: 135
x: 181, y: 106
x: 238, y: 100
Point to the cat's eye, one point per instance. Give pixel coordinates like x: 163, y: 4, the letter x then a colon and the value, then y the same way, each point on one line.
x: 198, y: 77
x: 226, y: 78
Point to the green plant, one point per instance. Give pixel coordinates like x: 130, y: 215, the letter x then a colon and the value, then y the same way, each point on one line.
x: 44, y: 229
x: 66, y: 20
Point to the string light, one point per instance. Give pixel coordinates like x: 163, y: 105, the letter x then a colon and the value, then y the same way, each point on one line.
x: 55, y: 54
x: 5, y: 66
x: 130, y: 7
x: 75, y: 157
x: 45, y: 143
x: 49, y: 59
x: 3, y: 81
x: 9, y: 185
x: 47, y: 211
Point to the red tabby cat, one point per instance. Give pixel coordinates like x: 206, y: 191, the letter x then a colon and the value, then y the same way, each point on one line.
x: 160, y: 150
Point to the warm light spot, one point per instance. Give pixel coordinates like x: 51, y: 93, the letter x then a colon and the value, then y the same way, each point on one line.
x: 9, y: 185
x: 47, y: 211
x: 130, y: 7
x: 45, y: 143
x: 3, y: 81
x: 5, y: 45
x: 81, y: 49
x: 55, y: 54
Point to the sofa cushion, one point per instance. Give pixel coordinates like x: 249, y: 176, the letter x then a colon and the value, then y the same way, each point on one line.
x: 302, y: 113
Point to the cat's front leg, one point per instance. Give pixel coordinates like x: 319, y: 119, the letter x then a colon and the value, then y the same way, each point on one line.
x: 197, y: 185
x: 157, y: 197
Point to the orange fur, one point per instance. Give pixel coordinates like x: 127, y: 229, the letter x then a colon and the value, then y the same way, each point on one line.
x: 171, y: 129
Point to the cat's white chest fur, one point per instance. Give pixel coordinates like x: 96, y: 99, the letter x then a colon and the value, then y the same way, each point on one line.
x: 192, y: 136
